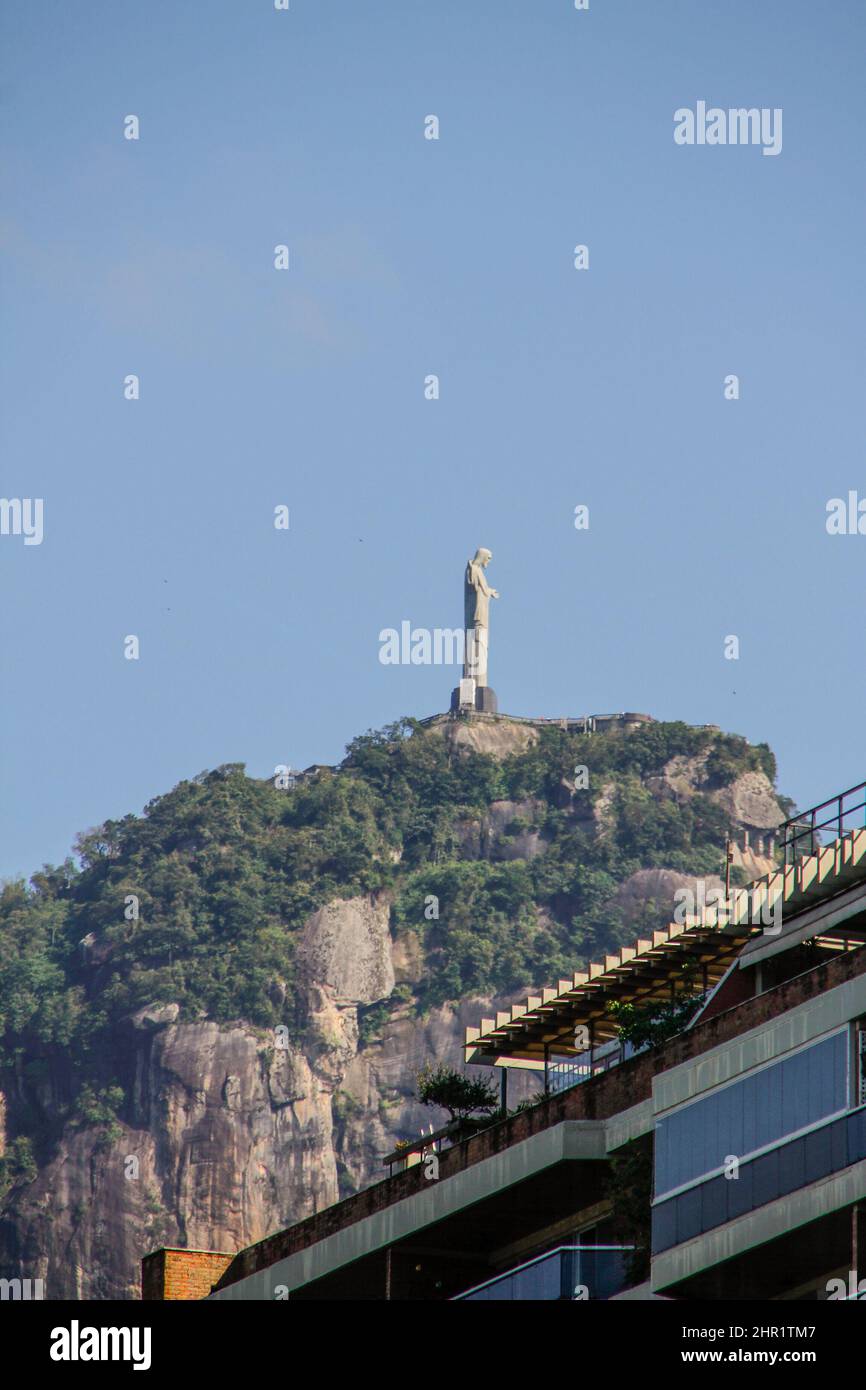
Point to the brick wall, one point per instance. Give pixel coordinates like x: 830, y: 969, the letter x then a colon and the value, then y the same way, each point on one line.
x: 181, y: 1274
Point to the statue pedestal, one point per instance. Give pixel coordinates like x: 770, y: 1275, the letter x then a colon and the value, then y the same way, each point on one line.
x: 485, y: 700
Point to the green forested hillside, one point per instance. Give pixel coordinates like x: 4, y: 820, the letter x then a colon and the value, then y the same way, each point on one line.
x: 227, y: 869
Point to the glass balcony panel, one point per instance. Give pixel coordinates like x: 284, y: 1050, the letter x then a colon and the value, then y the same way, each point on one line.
x: 570, y: 1273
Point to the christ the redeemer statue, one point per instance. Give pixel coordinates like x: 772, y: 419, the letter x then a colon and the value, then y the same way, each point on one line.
x: 473, y: 691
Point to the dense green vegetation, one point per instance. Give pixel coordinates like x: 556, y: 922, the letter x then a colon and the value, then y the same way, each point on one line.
x: 654, y: 1024
x: 226, y: 870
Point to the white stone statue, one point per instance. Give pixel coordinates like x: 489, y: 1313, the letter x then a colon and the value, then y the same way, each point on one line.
x: 477, y: 594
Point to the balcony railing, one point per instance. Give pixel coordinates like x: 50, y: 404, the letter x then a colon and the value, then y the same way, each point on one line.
x: 571, y: 1272
x: 804, y: 833
x: 562, y: 1075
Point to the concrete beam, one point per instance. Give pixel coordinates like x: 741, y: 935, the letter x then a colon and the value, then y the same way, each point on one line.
x: 629, y: 1124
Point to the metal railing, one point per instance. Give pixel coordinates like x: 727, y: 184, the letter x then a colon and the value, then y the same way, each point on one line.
x: 439, y: 1141
x: 408, y: 1154
x: 804, y: 833
x: 562, y: 1075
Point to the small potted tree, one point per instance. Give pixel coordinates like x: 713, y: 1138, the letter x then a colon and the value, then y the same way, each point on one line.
x: 462, y: 1096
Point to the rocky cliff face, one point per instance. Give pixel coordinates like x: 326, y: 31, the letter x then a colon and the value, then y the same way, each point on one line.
x: 231, y: 1131
x: 236, y: 1133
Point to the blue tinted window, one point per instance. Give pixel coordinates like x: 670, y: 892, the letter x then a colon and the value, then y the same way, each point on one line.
x: 791, y: 1077
x: 749, y: 1100
x: 818, y: 1154
x: 665, y: 1226
x: 714, y: 1202
x: 787, y: 1168
x: 765, y: 1178
x: 689, y: 1214
x: 749, y: 1114
x: 741, y: 1197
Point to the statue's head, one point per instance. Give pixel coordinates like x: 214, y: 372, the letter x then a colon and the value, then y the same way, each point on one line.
x: 482, y: 557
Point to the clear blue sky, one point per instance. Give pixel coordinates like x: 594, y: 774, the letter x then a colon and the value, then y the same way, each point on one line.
x: 305, y: 387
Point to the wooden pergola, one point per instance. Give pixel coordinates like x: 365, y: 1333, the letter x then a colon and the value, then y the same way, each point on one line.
x: 675, y: 962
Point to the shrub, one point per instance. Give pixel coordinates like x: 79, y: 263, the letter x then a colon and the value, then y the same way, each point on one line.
x: 454, y: 1091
